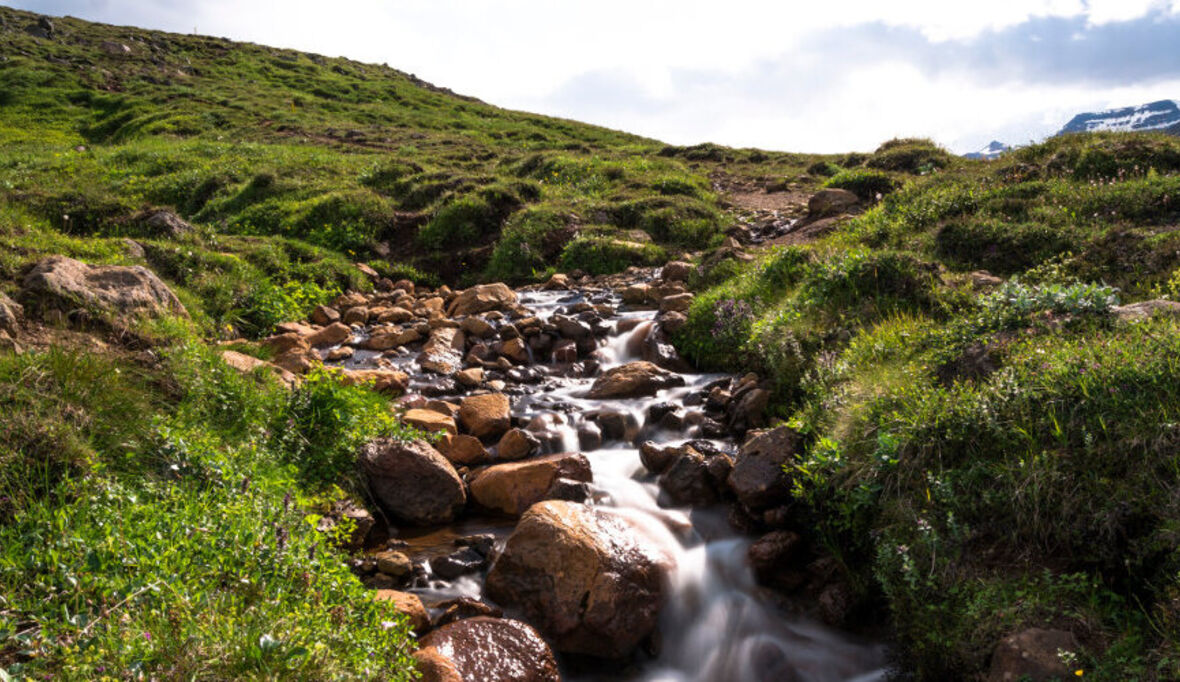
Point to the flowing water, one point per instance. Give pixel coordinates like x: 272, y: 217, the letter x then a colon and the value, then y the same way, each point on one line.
x: 716, y: 625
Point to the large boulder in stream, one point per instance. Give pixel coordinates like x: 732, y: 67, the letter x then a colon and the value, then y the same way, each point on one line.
x: 586, y: 577
x: 633, y: 380
x: 111, y: 292
x: 412, y: 481
x: 486, y: 650
x: 481, y: 299
x: 486, y: 416
x: 758, y: 478
x: 513, y: 487
x: 443, y: 352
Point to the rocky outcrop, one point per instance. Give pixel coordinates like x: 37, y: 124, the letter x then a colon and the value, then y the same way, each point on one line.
x: 633, y: 380
x: 512, y: 488
x: 110, y: 292
x: 830, y: 202
x: 412, y: 481
x: 583, y: 575
x: 758, y: 478
x: 481, y: 299
x: 484, y: 649
x: 443, y: 352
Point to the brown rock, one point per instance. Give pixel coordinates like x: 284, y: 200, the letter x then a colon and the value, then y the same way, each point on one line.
x: 324, y: 315
x: 656, y: 459
x: 395, y: 315
x: 282, y: 343
x: 11, y: 313
x: 482, y: 298
x: 636, y: 294
x: 463, y: 450
x: 349, y: 300
x: 412, y: 481
x: 513, y: 487
x: 678, y: 303
x: 443, y: 353
x: 485, y: 416
x: 1032, y: 655
x: 471, y: 377
x: 477, y: 327
x: 557, y: 282
x: 384, y: 380
x: 341, y: 353
x: 333, y: 334
x: 429, y: 420
x: 493, y: 650
x: 247, y: 364
x: 409, y: 604
x: 434, y: 667
x: 297, y: 362
x: 672, y: 321
x: 775, y: 558
x: 758, y: 478
x: 357, y: 315
x: 515, y: 350
x: 1145, y: 310
x: 830, y: 202
x: 394, y: 563
x: 63, y: 284
x: 686, y: 481
x: 517, y: 444
x: 677, y: 271
x: 633, y: 380
x: 586, y: 576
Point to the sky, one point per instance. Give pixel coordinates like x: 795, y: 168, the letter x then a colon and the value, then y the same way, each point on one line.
x: 831, y: 76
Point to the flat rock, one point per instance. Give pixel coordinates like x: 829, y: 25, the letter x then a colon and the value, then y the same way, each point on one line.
x: 482, y: 298
x: 443, y: 353
x: 110, y: 291
x: 511, y: 488
x: 633, y: 380
x: 485, y: 649
x: 485, y: 416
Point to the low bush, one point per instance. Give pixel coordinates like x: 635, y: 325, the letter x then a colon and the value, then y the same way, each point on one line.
x: 869, y: 185
x: 601, y: 255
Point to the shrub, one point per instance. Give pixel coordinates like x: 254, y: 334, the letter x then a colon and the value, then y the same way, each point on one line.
x: 599, y: 255
x: 999, y: 246
x: 823, y: 169
x: 532, y: 240
x: 915, y: 156
x: 682, y: 221
x: 869, y: 185
x: 462, y: 223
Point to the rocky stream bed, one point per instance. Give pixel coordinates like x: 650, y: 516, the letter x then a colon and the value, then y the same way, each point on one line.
x: 594, y: 508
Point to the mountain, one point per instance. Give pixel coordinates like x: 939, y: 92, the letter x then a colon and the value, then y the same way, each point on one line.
x: 992, y: 151
x: 1162, y: 115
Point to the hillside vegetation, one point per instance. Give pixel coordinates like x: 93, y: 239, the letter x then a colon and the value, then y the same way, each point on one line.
x: 991, y: 440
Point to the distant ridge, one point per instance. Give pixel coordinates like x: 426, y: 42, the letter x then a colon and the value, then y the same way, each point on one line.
x: 1163, y: 115
x: 993, y: 150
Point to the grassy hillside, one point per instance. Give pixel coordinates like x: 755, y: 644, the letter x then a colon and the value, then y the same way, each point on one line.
x: 986, y: 452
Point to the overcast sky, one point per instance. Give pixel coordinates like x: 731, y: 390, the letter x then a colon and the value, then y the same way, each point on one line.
x: 798, y: 76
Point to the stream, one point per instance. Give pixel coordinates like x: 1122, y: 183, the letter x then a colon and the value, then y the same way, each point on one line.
x: 716, y: 623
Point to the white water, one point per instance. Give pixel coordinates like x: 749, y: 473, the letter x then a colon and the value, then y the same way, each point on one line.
x: 714, y: 626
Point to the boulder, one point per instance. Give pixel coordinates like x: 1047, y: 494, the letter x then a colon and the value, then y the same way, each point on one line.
x: 395, y: 315
x: 165, y: 223
x: 1145, y: 310
x: 394, y: 563
x: 458, y: 563
x: 485, y: 416
x: 482, y: 298
x: 463, y: 450
x: 409, y: 604
x: 443, y: 353
x: 517, y: 444
x: 355, y: 316
x: 557, y: 282
x: 477, y: 327
x: 333, y: 334
x: 324, y: 315
x: 758, y: 478
x: 470, y: 377
x: 677, y: 271
x: 511, y: 488
x: 830, y: 202
x: 464, y: 607
x: 110, y: 291
x: 485, y: 649
x: 776, y: 559
x: 1033, y: 656
x: 384, y: 380
x: 412, y: 481
x: 584, y: 575
x: 515, y: 350
x: 432, y: 666
x: 633, y: 380
x: 636, y: 294
x: 686, y: 481
x: 286, y: 342
x: 430, y: 420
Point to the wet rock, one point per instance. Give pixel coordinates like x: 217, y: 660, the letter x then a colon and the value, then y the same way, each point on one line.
x: 636, y: 294
x: 412, y: 481
x: 112, y: 292
x: 463, y: 450
x: 488, y: 650
x: 482, y: 298
x: 341, y: 353
x: 565, y: 352
x: 335, y: 333
x: 557, y: 281
x: 672, y: 321
x: 572, y: 328
x: 617, y: 425
x: 392, y: 563
x: 656, y: 459
x: 835, y: 603
x: 587, y: 577
x: 395, y: 315
x: 589, y: 436
x: 686, y: 481
x: 632, y: 380
x: 776, y: 558
x: 430, y: 420
x: 477, y: 327
x: 830, y: 202
x: 409, y: 604
x: 483, y: 543
x: 513, y: 487
x: 517, y: 444
x: 464, y: 607
x: 677, y: 271
x: 748, y: 410
x: 485, y: 416
x: 456, y: 564
x: 758, y: 478
x: 432, y: 666
x: 1032, y: 655
x: 355, y: 316
x: 443, y: 352
x: 471, y: 377
x: 515, y: 350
